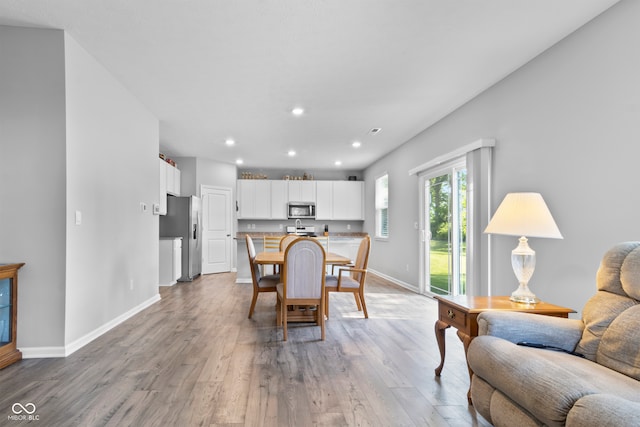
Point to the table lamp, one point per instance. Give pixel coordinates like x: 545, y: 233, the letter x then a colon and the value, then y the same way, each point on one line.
x: 523, y: 214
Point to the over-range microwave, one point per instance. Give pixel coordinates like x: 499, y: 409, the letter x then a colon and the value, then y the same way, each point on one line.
x: 301, y: 210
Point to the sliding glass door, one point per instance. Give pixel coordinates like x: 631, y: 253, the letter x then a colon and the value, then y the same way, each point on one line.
x: 445, y: 230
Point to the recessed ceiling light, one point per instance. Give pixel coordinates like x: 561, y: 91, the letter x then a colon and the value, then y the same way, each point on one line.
x: 239, y: 162
x: 230, y: 142
x: 298, y: 111
x: 338, y: 163
x: 375, y: 131
x: 356, y: 144
x: 291, y: 153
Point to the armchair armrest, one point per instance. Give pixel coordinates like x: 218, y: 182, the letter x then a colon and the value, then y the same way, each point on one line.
x: 350, y: 269
x: 533, y: 328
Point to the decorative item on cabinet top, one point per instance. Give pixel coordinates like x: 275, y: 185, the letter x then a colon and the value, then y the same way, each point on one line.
x: 168, y: 160
x: 252, y: 175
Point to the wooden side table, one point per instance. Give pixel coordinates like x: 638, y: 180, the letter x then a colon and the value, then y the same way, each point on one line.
x: 462, y: 312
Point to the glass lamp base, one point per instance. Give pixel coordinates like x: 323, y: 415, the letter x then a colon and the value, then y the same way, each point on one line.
x: 523, y: 261
x: 524, y: 295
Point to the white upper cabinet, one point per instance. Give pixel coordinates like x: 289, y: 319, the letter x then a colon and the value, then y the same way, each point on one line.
x: 173, y: 179
x: 279, y: 192
x: 254, y: 199
x: 162, y: 169
x: 340, y: 200
x: 348, y: 200
x: 324, y: 199
x: 169, y: 177
x: 267, y: 199
x: 302, y: 191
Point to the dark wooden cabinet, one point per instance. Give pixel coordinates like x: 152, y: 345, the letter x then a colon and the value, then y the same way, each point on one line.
x: 9, y: 314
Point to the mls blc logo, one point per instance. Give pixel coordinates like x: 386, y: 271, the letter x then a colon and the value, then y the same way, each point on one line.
x: 23, y: 412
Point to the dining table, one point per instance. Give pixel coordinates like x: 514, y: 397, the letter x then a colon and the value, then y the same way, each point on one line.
x: 269, y: 258
x: 297, y: 313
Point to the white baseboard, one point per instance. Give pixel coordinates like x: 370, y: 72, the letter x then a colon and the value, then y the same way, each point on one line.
x: 244, y: 281
x: 44, y: 352
x: 168, y: 284
x: 395, y: 281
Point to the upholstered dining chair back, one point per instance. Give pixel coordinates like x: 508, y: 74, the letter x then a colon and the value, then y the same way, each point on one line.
x: 303, y: 272
x: 255, y: 268
x: 303, y: 282
x: 260, y: 283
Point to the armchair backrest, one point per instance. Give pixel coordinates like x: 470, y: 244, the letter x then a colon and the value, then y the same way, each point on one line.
x: 255, y: 269
x: 612, y: 316
x: 304, y: 269
x: 362, y: 259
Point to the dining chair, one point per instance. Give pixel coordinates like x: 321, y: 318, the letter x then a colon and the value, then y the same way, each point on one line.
x: 351, y: 278
x: 286, y: 240
x: 260, y: 283
x: 324, y: 242
x: 271, y: 244
x: 303, y: 275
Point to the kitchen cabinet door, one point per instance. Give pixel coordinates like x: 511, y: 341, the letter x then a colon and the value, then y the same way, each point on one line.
x: 279, y: 191
x: 324, y: 200
x: 173, y: 179
x: 254, y: 199
x: 162, y: 193
x: 302, y: 191
x: 348, y: 200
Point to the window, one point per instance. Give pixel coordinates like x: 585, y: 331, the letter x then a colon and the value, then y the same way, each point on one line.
x: 382, y: 206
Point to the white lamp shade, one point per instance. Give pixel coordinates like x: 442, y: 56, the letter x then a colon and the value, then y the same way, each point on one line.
x: 523, y: 214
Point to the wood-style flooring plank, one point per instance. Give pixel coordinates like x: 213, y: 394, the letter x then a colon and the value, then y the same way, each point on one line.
x: 194, y: 359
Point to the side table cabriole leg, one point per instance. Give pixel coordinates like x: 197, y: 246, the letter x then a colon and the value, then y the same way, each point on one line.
x: 440, y: 327
x: 466, y: 340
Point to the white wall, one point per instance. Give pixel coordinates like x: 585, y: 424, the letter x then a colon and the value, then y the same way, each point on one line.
x: 566, y: 126
x: 112, y: 167
x: 73, y: 139
x: 32, y: 178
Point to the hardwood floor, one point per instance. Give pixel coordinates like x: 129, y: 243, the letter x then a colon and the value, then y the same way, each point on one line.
x: 194, y: 359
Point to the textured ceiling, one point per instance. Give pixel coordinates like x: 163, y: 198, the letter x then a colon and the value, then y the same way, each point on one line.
x: 212, y: 70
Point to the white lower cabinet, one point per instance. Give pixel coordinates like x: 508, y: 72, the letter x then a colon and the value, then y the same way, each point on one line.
x: 170, y: 261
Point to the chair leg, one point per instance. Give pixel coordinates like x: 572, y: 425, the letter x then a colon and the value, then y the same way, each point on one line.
x: 326, y: 304
x: 284, y: 320
x: 253, y: 304
x: 364, y: 305
x: 321, y: 320
x: 357, y: 301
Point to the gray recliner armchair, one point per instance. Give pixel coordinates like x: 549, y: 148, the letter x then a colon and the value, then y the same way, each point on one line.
x: 588, y: 371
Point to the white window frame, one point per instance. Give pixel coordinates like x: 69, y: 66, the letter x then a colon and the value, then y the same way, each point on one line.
x: 378, y: 203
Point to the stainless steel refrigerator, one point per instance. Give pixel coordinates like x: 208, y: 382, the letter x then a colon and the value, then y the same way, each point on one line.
x: 183, y: 220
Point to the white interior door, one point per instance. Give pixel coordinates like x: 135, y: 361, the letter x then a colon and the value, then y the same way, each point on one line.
x: 216, y: 229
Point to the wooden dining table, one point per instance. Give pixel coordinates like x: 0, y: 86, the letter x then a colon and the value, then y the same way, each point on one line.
x: 270, y: 258
x: 298, y: 313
